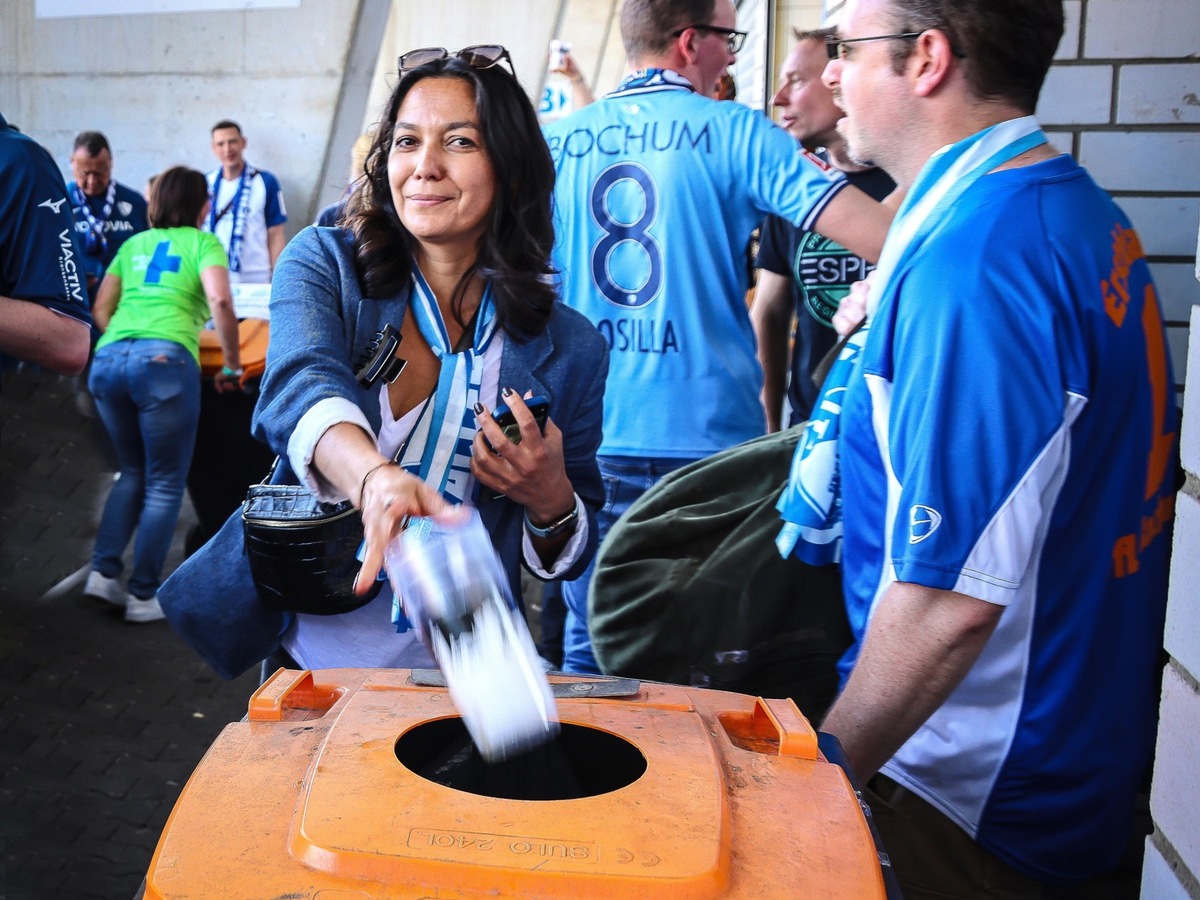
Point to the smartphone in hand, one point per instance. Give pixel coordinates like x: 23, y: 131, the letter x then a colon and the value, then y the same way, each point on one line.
x: 503, y: 416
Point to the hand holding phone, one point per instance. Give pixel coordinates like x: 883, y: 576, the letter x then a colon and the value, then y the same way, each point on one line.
x: 504, y: 417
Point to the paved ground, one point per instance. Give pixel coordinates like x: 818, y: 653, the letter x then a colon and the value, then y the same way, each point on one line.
x: 101, y: 722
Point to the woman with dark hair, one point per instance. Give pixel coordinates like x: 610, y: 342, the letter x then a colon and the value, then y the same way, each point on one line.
x: 145, y: 378
x: 448, y: 240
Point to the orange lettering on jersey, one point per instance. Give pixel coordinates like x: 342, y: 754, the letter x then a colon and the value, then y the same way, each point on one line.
x: 1125, y: 560
x: 1156, y: 357
x: 1127, y: 249
x: 1152, y: 526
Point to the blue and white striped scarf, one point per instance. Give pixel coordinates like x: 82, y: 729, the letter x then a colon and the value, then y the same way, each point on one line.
x: 439, y: 449
x: 811, y: 503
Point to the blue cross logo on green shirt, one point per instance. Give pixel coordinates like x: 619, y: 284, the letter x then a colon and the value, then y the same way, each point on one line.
x: 162, y: 261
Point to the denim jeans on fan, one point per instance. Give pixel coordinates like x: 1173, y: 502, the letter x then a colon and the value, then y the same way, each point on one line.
x: 148, y: 395
x: 625, y: 479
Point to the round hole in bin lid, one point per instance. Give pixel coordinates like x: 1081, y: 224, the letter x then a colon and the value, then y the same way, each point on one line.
x: 580, y: 762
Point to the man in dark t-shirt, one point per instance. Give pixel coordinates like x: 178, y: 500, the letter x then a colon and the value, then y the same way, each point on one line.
x: 107, y: 212
x: 803, y: 276
x: 44, y: 311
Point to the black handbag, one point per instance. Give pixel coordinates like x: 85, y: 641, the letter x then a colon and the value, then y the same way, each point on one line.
x: 303, y: 553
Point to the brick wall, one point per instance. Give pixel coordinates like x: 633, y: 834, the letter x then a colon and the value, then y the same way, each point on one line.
x: 1123, y: 97
x: 1172, y: 867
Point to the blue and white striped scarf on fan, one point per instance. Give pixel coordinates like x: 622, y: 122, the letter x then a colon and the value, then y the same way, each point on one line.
x: 811, y: 504
x: 439, y: 448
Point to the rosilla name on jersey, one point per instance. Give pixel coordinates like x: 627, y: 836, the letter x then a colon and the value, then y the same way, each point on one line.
x: 637, y: 336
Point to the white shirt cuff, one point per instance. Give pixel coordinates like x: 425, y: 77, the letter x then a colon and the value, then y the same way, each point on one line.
x: 570, y: 553
x: 323, y: 415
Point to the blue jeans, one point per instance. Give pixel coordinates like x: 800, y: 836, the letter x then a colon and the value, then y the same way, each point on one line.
x: 148, y: 395
x: 625, y: 479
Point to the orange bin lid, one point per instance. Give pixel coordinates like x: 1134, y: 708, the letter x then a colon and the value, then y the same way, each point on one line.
x: 308, y: 797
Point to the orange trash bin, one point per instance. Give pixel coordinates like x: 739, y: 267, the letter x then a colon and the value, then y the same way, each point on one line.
x: 362, y: 783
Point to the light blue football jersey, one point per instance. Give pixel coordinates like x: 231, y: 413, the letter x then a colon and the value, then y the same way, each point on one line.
x: 658, y: 191
x: 1010, y: 435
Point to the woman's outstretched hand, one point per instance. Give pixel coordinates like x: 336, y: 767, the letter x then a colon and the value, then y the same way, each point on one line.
x: 390, y: 496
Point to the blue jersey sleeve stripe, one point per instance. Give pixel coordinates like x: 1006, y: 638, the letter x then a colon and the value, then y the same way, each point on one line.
x: 810, y: 221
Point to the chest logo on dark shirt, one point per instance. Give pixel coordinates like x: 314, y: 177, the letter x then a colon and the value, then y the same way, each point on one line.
x: 52, y: 205
x: 923, y: 521
x: 824, y: 270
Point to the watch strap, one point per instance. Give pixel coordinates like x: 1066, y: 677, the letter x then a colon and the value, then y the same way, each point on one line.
x: 555, y: 528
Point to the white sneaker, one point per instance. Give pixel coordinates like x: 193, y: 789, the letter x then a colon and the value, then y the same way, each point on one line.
x: 143, y: 610
x: 104, y: 588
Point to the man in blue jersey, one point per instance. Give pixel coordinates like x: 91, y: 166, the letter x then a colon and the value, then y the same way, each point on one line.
x: 44, y: 315
x: 802, y: 275
x: 1007, y: 446
x: 107, y: 213
x: 658, y: 189
x: 247, y: 212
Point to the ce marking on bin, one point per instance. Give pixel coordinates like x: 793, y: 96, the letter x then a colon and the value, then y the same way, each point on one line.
x: 642, y: 857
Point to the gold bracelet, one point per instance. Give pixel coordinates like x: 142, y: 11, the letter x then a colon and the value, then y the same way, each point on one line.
x: 363, y: 488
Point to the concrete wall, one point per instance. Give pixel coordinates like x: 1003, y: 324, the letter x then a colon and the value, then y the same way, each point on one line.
x: 155, y: 84
x: 293, y: 78
x: 303, y: 82
x: 525, y: 27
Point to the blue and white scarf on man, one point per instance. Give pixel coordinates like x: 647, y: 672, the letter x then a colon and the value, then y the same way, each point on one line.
x: 239, y: 207
x: 811, y: 504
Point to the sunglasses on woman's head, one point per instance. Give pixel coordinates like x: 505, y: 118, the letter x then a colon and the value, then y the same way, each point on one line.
x: 477, y: 56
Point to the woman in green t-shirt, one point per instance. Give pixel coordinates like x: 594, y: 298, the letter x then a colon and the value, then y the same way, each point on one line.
x: 158, y: 292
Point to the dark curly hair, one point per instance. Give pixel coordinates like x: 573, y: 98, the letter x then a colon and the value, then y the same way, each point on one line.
x: 514, y: 253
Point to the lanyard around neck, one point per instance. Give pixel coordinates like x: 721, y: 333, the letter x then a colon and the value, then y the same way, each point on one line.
x: 94, y: 243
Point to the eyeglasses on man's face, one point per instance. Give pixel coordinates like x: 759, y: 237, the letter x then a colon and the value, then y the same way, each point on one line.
x: 733, y: 39
x: 477, y: 56
x: 836, y: 48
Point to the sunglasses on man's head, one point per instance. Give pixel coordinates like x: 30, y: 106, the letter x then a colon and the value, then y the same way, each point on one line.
x: 477, y: 56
